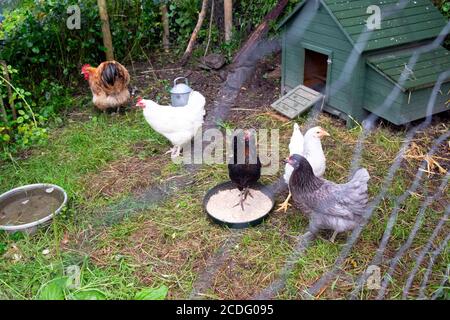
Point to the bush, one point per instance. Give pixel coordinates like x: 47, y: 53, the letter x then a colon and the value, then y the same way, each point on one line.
x: 25, y: 127
x: 47, y: 57
x: 38, y: 40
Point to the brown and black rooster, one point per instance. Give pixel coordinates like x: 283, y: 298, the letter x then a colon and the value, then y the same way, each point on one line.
x: 109, y: 84
x: 244, y: 171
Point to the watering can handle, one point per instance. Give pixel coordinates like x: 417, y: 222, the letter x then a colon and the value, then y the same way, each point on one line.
x: 185, y: 80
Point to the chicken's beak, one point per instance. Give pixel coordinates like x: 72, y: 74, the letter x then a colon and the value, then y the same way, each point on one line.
x: 286, y: 160
x: 323, y: 133
x: 139, y: 103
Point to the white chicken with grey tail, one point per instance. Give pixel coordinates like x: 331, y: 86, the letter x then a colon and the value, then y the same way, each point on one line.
x: 309, y: 146
x: 177, y: 124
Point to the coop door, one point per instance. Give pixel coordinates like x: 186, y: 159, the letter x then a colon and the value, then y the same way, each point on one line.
x: 315, y: 70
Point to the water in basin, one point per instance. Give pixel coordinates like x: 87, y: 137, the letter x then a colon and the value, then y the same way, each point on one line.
x: 26, y: 207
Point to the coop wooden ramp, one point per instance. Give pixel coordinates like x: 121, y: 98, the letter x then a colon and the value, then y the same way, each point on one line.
x: 297, y: 101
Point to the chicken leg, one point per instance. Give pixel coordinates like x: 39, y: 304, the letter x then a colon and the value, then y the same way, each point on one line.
x: 174, y: 151
x: 243, y: 196
x: 285, y: 205
x: 333, y: 237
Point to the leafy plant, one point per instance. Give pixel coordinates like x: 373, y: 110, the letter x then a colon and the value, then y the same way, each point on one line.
x: 88, y: 294
x: 26, y: 128
x: 445, y: 8
x: 59, y: 289
x: 54, y: 289
x: 152, y: 293
x: 183, y: 16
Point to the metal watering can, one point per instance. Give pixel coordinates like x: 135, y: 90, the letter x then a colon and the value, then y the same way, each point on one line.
x: 180, y: 92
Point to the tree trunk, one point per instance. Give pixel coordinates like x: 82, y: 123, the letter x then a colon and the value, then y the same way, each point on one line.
x: 10, y: 94
x: 165, y: 23
x: 107, y: 39
x: 187, y: 54
x: 3, y: 112
x: 261, y: 30
x: 228, y: 18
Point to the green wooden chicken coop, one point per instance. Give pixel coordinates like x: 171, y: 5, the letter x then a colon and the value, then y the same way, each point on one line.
x: 315, y: 53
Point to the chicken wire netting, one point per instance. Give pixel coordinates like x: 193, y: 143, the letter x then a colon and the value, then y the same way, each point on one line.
x: 424, y: 260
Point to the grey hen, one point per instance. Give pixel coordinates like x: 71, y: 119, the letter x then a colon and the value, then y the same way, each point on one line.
x: 338, y: 207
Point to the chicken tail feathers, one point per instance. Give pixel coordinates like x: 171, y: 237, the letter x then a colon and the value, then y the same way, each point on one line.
x: 297, y: 141
x: 113, y: 72
x: 361, y: 175
x: 358, y: 185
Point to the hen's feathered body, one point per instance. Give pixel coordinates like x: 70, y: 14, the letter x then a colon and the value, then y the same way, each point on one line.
x: 313, y: 151
x: 108, y: 83
x: 243, y: 175
x: 177, y: 124
x: 339, y: 207
x: 244, y: 171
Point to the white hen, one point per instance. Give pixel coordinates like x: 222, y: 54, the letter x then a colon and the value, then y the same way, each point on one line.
x: 295, y: 147
x: 310, y: 147
x: 313, y: 151
x: 178, y: 124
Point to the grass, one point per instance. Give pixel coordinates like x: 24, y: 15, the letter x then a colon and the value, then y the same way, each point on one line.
x: 173, y: 243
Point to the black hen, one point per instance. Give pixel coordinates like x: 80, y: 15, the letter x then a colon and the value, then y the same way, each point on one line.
x: 339, y: 207
x: 243, y: 171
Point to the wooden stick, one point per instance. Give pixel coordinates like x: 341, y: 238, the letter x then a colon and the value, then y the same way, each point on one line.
x: 187, y: 54
x: 158, y: 70
x: 106, y: 31
x: 210, y: 28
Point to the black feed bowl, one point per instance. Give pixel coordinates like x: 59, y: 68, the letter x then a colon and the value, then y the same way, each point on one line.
x: 234, y: 225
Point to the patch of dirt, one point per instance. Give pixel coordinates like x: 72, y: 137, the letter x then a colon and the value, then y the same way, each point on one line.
x: 230, y: 281
x: 122, y: 176
x: 439, y: 163
x: 149, y: 247
x: 259, y: 91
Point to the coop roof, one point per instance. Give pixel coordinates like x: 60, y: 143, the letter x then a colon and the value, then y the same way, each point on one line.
x: 423, y: 74
x: 402, y: 22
